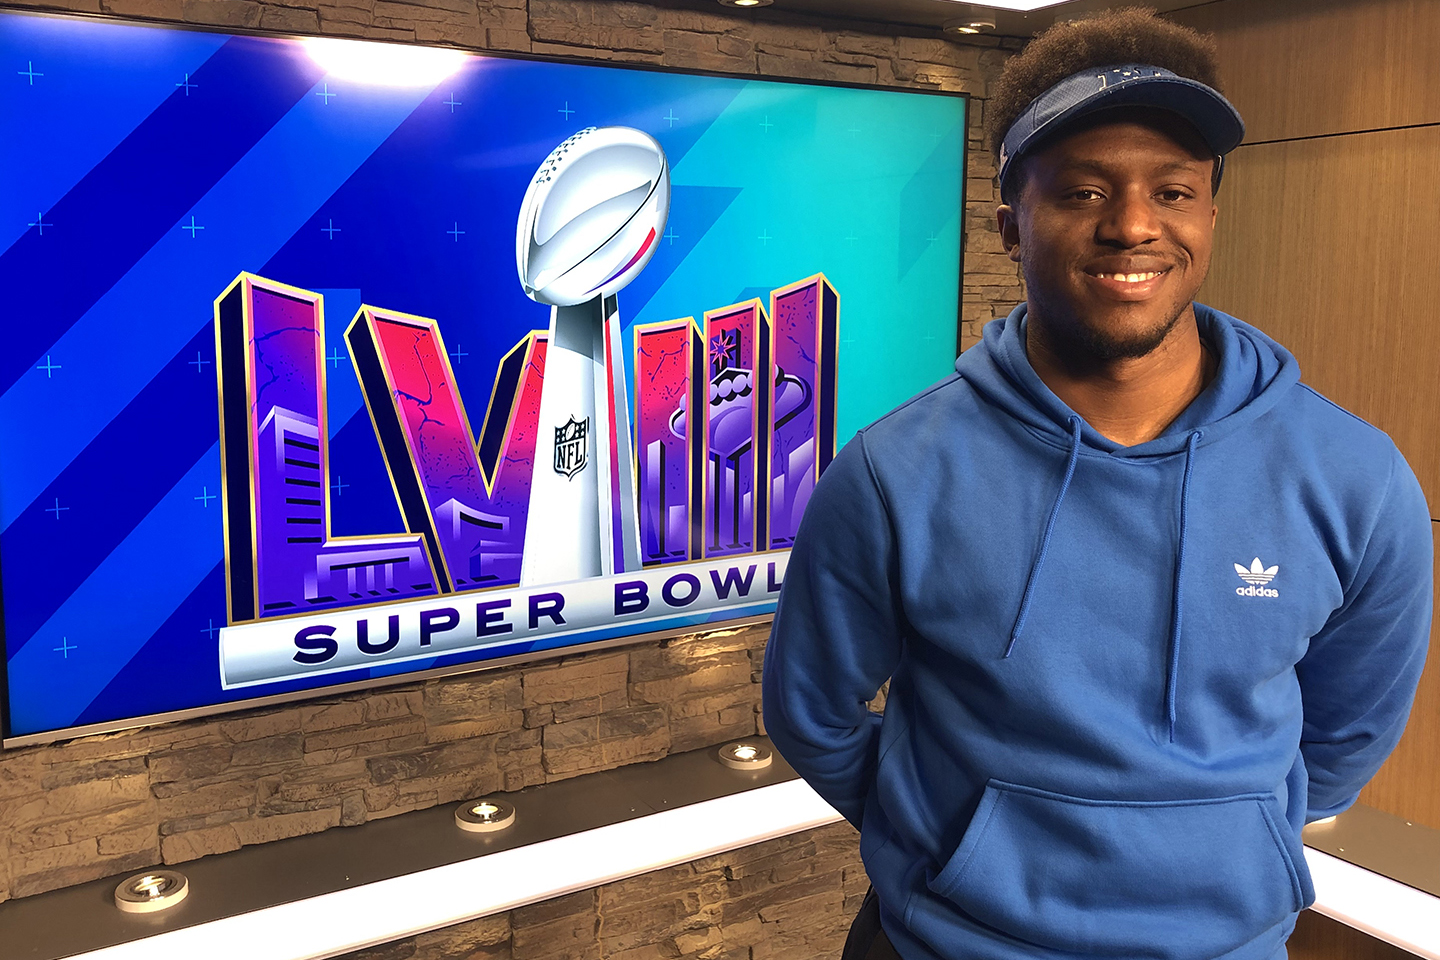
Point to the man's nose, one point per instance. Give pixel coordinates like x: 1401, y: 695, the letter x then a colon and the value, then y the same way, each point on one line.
x: 1130, y: 220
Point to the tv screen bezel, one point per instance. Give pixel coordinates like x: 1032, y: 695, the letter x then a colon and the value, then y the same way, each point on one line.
x: 7, y: 741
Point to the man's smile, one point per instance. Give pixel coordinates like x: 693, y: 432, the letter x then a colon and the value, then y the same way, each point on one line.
x: 1126, y: 282
x: 1129, y: 277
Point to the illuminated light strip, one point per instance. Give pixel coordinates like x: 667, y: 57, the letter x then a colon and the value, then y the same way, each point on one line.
x: 1022, y: 5
x: 390, y: 910
x: 1376, y: 905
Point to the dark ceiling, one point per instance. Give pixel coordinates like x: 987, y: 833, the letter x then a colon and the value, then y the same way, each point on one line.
x: 934, y: 13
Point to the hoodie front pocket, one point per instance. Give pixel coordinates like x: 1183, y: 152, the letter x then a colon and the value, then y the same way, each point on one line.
x: 1175, y: 880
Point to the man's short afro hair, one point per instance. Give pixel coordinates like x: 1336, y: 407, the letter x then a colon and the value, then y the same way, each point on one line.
x: 1108, y: 39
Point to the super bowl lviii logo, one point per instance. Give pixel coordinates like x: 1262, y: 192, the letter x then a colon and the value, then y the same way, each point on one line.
x: 557, y: 517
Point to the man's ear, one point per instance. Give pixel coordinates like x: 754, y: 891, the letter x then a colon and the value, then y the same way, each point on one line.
x: 1009, y: 221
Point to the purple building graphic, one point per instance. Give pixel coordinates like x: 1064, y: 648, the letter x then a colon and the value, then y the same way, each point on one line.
x: 784, y: 362
x: 279, y: 555
x: 672, y: 389
x: 806, y: 318
x: 738, y: 421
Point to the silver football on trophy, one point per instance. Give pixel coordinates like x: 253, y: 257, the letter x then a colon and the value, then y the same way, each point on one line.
x: 593, y: 215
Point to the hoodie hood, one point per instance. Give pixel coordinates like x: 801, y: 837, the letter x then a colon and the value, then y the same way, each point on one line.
x: 1252, y: 374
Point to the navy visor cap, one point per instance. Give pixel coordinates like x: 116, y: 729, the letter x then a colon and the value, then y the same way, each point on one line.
x: 1134, y: 84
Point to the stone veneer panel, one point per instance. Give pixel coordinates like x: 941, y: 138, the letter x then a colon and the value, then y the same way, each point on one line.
x: 99, y: 806
x: 786, y: 899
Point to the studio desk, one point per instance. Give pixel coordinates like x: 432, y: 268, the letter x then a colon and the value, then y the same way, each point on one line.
x: 331, y: 893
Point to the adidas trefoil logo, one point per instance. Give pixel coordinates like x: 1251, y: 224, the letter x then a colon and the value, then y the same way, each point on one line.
x: 1257, y: 575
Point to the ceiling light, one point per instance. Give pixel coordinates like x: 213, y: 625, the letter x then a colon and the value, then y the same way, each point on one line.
x: 972, y: 19
x: 152, y: 891
x: 969, y: 26
x: 746, y: 3
x: 484, y: 816
x: 745, y: 756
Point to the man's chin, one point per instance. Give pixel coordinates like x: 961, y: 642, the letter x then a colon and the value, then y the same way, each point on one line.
x: 1127, y: 338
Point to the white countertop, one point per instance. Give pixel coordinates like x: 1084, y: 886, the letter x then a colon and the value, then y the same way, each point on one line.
x: 376, y: 913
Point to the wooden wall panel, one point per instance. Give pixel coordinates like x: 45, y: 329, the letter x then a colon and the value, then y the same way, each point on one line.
x: 1333, y: 247
x: 1301, y: 68
x: 1318, y: 937
x: 1409, y: 784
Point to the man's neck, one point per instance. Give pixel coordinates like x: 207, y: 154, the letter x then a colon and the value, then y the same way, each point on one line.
x: 1130, y: 401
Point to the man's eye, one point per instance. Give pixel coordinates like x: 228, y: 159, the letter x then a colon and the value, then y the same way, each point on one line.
x: 1174, y: 196
x: 1084, y: 194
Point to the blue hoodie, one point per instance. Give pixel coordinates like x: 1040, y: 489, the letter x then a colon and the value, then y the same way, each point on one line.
x: 1122, y: 678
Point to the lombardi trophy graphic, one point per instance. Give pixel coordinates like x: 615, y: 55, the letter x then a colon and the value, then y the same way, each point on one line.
x: 590, y: 222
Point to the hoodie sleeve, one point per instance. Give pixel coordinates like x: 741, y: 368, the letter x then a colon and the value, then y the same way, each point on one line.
x: 836, y: 636
x: 1358, y: 679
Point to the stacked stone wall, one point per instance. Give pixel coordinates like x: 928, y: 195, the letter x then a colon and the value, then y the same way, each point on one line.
x: 787, y: 899
x: 99, y: 806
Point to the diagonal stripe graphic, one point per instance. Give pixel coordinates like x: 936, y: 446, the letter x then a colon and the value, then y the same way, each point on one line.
x: 181, y: 397
x: 150, y: 314
x: 139, y: 585
x: 181, y: 651
x: 138, y: 193
x: 46, y: 557
x: 102, y: 80
x: 921, y: 218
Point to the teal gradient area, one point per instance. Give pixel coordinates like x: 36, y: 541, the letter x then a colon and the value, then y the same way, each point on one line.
x: 879, y: 214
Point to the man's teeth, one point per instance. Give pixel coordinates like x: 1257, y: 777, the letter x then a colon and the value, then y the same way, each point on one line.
x: 1129, y: 277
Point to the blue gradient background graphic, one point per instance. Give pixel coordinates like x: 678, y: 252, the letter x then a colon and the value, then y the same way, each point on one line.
x: 145, y: 167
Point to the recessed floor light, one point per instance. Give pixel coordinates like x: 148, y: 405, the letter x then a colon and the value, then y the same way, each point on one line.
x: 746, y: 3
x: 484, y: 816
x: 745, y: 756
x: 152, y: 891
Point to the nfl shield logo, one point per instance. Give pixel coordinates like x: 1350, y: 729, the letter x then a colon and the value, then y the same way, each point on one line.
x: 571, y: 448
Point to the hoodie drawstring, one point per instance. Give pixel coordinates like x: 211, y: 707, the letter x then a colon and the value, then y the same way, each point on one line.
x: 1045, y: 540
x: 1172, y: 675
x: 1173, y: 672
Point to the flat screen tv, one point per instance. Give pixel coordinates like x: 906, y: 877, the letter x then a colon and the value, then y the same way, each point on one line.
x: 327, y: 364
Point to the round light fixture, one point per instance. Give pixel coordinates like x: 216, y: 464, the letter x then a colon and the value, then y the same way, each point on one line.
x: 746, y: 3
x: 152, y: 891
x: 745, y: 756
x: 484, y: 816
x: 969, y: 26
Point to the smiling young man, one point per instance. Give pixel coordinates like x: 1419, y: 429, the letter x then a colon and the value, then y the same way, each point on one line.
x: 1147, y: 603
